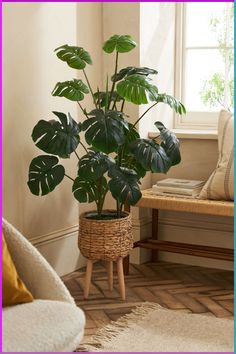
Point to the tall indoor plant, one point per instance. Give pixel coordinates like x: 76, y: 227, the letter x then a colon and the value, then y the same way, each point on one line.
x: 115, y: 157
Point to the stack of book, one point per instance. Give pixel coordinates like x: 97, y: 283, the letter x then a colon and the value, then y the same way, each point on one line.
x: 178, y: 187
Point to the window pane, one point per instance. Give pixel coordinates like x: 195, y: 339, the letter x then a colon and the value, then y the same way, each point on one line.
x: 201, y: 20
x: 200, y: 67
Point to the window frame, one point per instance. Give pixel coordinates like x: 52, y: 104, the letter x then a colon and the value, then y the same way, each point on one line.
x: 200, y: 120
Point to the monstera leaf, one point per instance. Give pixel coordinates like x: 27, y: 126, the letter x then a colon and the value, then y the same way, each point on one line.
x: 44, y: 174
x: 94, y: 164
x: 137, y: 89
x: 57, y: 138
x: 75, y: 57
x: 102, y: 97
x: 124, y: 184
x: 130, y: 136
x: 131, y: 70
x: 150, y: 155
x: 105, y: 131
x: 131, y: 163
x: 73, y: 90
x: 172, y: 102
x: 121, y: 44
x: 86, y: 191
x: 169, y: 143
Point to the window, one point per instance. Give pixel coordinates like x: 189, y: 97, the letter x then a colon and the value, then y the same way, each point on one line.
x: 204, y: 62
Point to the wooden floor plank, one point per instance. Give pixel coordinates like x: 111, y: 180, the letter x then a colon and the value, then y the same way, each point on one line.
x: 178, y: 287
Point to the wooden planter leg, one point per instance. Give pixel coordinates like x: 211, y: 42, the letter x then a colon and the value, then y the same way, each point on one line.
x: 88, y: 276
x: 110, y: 274
x: 121, y: 278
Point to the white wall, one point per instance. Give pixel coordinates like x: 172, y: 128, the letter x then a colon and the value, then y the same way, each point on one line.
x: 31, y: 32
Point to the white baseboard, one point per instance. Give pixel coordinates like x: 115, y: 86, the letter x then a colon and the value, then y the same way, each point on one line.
x: 61, y: 250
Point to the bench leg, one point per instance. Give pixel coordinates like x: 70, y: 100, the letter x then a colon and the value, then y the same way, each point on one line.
x: 126, y: 265
x: 154, y: 232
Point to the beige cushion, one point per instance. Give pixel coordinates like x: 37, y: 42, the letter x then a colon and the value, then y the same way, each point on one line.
x: 220, y: 185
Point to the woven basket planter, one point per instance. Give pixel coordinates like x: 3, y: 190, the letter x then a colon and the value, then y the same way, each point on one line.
x: 105, y: 239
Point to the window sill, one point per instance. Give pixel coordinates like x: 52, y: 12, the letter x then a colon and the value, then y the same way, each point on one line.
x: 191, y: 134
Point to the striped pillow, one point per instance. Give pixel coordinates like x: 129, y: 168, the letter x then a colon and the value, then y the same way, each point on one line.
x: 220, y: 185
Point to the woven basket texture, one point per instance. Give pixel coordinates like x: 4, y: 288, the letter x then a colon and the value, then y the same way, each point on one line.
x: 105, y: 239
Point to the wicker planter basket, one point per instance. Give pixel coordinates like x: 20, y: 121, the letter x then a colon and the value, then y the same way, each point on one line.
x: 105, y: 239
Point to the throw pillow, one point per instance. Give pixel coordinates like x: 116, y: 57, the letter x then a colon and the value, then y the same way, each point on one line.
x: 14, y: 290
x: 220, y: 185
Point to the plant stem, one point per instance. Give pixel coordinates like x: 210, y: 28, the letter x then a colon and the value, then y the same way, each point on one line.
x: 114, y: 104
x: 90, y: 88
x: 122, y: 105
x: 77, y: 155
x: 121, y: 206
x: 100, y: 197
x: 144, y: 114
x: 118, y: 208
x: 69, y: 177
x: 113, y: 84
x: 83, y: 110
x: 83, y: 146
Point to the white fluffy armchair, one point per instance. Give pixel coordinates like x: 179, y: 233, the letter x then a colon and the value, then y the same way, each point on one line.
x: 52, y: 322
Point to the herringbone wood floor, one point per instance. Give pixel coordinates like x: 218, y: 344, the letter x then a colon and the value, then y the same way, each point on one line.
x: 174, y: 286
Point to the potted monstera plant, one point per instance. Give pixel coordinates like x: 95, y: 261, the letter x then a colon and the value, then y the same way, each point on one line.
x: 115, y: 157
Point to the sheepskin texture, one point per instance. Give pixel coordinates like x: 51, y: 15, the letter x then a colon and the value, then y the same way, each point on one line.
x: 37, y: 274
x: 42, y: 326
x: 52, y: 322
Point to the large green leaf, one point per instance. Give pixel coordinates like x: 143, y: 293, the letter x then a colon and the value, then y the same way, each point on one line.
x: 124, y: 185
x: 101, y: 97
x: 121, y: 44
x: 170, y: 143
x: 74, y: 90
x: 94, y: 164
x: 131, y: 70
x: 57, y: 138
x: 150, y: 155
x: 137, y: 89
x: 44, y: 174
x: 105, y: 131
x: 131, y: 163
x: 86, y: 191
x: 172, y: 102
x: 75, y: 57
x: 130, y: 136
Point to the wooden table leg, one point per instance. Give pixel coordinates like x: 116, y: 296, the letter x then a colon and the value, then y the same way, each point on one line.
x: 121, y: 278
x: 88, y: 277
x: 155, y: 232
x: 126, y: 259
x: 126, y: 265
x: 110, y: 274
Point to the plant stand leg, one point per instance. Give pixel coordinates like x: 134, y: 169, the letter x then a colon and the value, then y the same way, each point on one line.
x: 110, y: 274
x: 88, y: 276
x: 121, y: 278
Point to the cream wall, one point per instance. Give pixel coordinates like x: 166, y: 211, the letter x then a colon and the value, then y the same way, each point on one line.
x: 157, y: 51
x: 31, y: 32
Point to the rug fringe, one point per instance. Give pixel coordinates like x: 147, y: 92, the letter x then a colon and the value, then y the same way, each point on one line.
x: 104, y: 335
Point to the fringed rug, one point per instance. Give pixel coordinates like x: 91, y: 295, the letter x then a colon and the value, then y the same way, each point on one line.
x: 151, y: 328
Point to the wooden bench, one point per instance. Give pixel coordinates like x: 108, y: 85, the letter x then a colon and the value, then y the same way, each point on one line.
x: 197, y: 206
